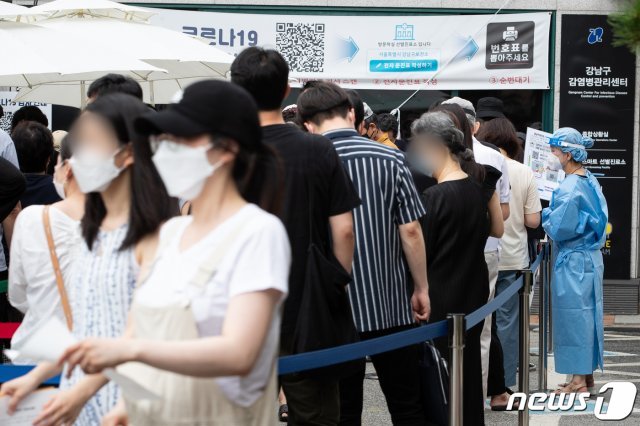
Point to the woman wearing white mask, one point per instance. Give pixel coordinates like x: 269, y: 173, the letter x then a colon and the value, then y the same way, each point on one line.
x: 205, y: 321
x: 126, y: 203
x: 35, y: 288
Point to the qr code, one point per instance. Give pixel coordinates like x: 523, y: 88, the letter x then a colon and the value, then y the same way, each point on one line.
x: 302, y: 45
x: 5, y: 121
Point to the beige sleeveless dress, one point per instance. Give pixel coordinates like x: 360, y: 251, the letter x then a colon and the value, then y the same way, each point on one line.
x: 187, y: 400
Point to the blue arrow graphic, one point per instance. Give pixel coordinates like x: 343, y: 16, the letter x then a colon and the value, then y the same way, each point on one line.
x: 347, y: 49
x: 468, y: 51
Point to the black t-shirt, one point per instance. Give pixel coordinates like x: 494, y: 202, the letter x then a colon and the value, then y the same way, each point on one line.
x: 40, y: 190
x: 455, y: 229
x: 311, y: 164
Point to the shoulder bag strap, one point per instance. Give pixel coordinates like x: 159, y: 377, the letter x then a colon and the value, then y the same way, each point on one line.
x: 56, y: 268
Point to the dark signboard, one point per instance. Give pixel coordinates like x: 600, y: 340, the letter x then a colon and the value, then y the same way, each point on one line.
x: 510, y: 45
x: 597, y: 92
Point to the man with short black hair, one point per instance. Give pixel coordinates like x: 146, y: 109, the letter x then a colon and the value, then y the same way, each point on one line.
x: 34, y: 145
x: 114, y: 83
x: 390, y: 254
x: 388, y: 124
x: 28, y: 113
x: 313, y: 175
x: 375, y: 133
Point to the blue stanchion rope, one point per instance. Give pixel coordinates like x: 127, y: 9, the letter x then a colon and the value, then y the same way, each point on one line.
x: 325, y: 357
x: 10, y: 372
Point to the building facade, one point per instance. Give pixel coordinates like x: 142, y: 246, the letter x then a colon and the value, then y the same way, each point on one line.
x: 586, y: 83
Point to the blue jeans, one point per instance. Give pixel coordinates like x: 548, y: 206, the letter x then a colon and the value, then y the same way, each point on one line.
x: 507, y: 317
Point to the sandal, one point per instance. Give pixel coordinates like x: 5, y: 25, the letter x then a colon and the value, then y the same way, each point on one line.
x: 515, y: 406
x: 283, y: 413
x: 590, y: 382
x: 572, y: 388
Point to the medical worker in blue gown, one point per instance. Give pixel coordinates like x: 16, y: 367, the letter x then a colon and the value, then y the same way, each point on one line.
x: 576, y: 220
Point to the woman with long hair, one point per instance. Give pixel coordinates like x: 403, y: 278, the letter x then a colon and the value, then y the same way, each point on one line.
x: 462, y: 212
x: 205, y: 321
x: 125, y: 205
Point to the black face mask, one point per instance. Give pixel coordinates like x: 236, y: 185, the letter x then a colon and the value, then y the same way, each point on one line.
x: 371, y: 136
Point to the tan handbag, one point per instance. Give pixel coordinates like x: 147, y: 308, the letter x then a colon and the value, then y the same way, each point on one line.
x: 56, y: 268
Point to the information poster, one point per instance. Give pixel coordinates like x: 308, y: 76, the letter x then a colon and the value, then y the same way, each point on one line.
x: 537, y: 153
x: 9, y: 107
x: 597, y: 92
x: 451, y: 52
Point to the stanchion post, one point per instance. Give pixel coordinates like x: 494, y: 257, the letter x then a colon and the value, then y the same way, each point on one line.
x: 543, y: 297
x: 456, y: 346
x: 523, y: 370
x: 549, y: 302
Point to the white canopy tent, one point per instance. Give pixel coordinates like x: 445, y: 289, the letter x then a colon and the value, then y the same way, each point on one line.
x: 37, y: 55
x: 10, y: 11
x: 179, y: 58
x: 92, y: 8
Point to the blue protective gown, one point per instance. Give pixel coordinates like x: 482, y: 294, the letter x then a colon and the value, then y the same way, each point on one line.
x: 576, y: 221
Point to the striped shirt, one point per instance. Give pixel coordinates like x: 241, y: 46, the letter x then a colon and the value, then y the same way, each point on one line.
x: 381, y: 290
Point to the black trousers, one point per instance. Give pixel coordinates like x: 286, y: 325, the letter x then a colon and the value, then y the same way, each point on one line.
x: 399, y: 379
x: 311, y: 401
x: 495, y: 379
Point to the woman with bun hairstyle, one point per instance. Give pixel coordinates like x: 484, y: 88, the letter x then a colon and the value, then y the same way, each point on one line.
x: 462, y: 212
x: 576, y: 220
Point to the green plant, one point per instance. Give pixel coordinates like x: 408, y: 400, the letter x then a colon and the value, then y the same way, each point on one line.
x: 626, y: 26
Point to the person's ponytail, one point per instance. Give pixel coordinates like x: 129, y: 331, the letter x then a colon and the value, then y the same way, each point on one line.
x: 469, y: 166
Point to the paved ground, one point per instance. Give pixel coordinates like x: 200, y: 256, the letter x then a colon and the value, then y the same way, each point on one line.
x: 622, y: 363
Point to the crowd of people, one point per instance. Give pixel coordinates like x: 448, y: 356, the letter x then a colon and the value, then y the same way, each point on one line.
x: 176, y: 245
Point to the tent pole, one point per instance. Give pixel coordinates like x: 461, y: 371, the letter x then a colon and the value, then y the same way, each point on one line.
x: 83, y: 95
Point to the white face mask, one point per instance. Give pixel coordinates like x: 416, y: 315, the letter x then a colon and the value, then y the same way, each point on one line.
x: 94, y: 172
x: 59, y: 186
x: 554, y: 163
x: 183, y: 169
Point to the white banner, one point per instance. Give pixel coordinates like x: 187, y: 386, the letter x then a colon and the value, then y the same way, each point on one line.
x: 536, y: 154
x: 446, y: 52
x: 9, y: 107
